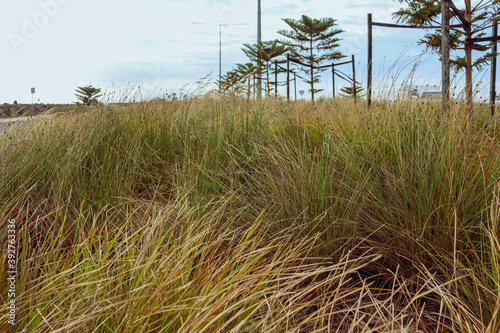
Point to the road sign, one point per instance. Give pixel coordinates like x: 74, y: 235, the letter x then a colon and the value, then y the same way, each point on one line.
x: 301, y: 92
x: 32, y: 90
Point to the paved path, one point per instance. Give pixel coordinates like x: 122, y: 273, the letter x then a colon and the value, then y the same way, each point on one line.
x: 7, y: 123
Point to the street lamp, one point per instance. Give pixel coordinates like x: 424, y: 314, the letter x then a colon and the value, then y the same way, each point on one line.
x: 220, y: 42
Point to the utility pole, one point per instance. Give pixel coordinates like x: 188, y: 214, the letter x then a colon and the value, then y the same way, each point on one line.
x: 259, y: 40
x: 220, y: 55
x: 220, y: 44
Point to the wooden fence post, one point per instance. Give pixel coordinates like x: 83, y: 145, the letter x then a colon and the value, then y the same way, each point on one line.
x: 295, y: 85
x: 493, y: 92
x: 333, y: 79
x: 275, y: 78
x: 288, y: 77
x: 353, y: 78
x: 370, y: 58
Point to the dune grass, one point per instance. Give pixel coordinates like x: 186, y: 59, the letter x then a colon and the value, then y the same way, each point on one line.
x: 229, y: 215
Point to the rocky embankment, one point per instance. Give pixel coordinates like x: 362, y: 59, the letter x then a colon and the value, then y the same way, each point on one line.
x: 20, y: 110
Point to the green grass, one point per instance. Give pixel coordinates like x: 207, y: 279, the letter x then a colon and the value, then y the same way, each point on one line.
x: 228, y: 215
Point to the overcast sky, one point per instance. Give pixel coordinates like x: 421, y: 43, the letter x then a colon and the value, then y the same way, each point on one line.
x: 120, y: 45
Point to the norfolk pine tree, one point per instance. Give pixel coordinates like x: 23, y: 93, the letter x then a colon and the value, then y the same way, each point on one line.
x: 234, y: 79
x: 312, y: 41
x: 88, y: 95
x: 246, y: 71
x: 347, y: 91
x: 475, y: 20
x: 264, y: 53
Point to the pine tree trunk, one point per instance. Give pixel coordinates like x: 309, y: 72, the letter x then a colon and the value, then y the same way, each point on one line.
x: 312, y: 74
x: 468, y: 61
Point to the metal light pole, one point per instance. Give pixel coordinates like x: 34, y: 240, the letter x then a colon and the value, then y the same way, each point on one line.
x: 220, y: 53
x: 220, y: 43
x: 32, y: 95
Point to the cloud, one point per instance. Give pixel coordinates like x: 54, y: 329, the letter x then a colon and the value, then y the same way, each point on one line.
x: 280, y: 10
x: 152, y: 41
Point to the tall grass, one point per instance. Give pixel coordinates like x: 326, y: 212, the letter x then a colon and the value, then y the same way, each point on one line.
x: 227, y: 215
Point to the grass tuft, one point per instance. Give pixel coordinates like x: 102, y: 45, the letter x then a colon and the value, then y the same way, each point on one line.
x: 230, y: 215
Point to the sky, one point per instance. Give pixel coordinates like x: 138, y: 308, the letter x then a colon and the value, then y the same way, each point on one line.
x: 149, y: 48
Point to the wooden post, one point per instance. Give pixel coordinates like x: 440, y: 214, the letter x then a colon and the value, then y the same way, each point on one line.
x: 295, y: 85
x: 353, y: 78
x: 445, y: 54
x: 268, y: 93
x: 249, y: 87
x: 288, y: 77
x: 259, y: 56
x: 370, y: 58
x: 333, y: 79
x: 469, y: 90
x: 493, y: 92
x: 275, y: 78
x: 253, y: 88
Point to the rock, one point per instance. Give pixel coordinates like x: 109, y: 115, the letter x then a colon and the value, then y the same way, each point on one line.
x: 16, y: 110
